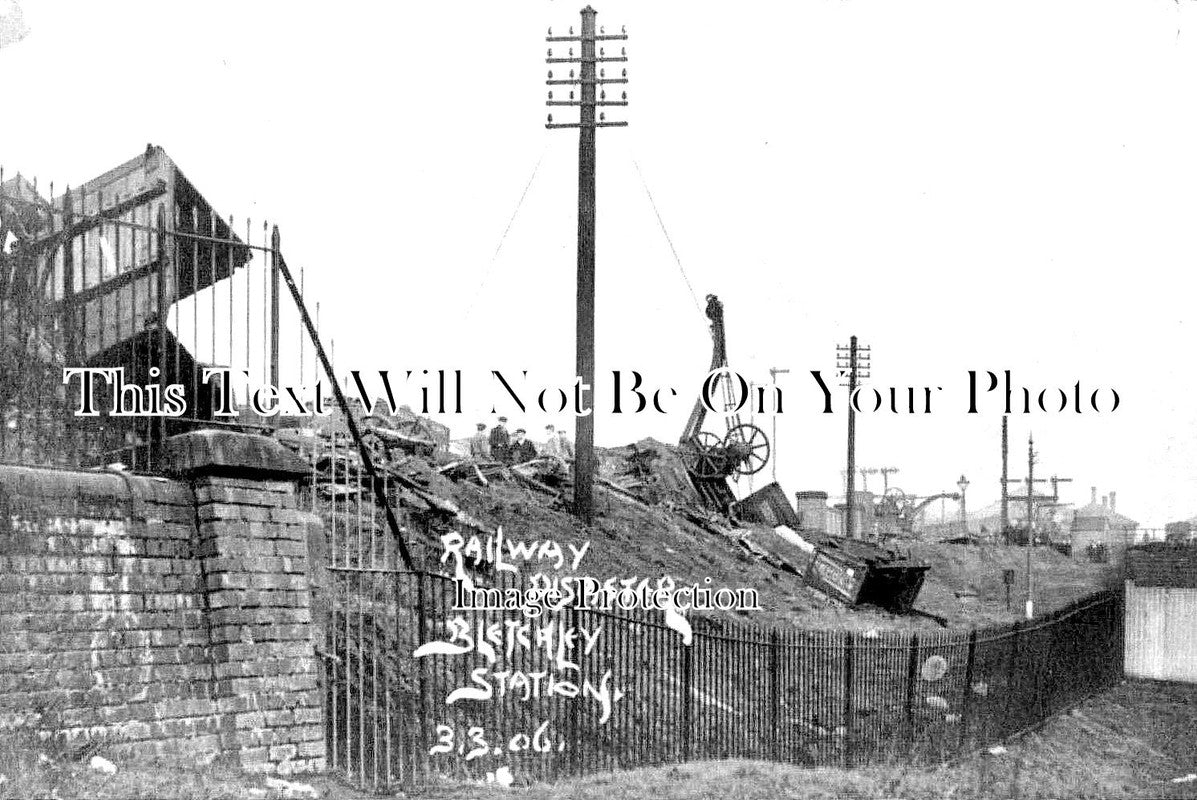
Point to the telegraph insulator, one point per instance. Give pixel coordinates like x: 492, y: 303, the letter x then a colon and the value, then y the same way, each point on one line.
x: 550, y: 52
x: 550, y: 95
x: 602, y: 52
x: 550, y: 74
x: 602, y: 30
x: 603, y: 94
x: 571, y: 52
x: 602, y: 116
x: 625, y: 72
x: 571, y: 30
x: 550, y: 31
x: 602, y: 73
x: 571, y: 74
x: 625, y: 96
x: 623, y: 51
x: 550, y: 117
x: 571, y: 95
x: 623, y: 29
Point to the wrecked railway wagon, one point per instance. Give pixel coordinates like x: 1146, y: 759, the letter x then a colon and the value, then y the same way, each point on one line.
x: 848, y: 570
x: 857, y: 572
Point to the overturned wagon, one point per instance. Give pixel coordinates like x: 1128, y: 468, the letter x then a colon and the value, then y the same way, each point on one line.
x: 848, y: 570
x: 856, y: 572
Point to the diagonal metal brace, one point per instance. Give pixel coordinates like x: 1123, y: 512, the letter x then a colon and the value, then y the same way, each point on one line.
x: 343, y: 404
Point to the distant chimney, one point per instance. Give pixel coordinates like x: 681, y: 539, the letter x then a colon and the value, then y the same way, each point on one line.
x: 1113, y: 498
x: 1093, y: 495
x: 1104, y: 501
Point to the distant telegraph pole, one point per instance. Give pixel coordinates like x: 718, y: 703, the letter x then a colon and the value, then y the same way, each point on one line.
x: 851, y: 361
x: 1030, y: 524
x: 1005, y: 483
x: 885, y: 473
x: 773, y: 373
x: 590, y: 97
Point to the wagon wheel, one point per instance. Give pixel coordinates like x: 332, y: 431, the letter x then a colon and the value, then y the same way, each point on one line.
x: 703, y: 456
x: 749, y: 446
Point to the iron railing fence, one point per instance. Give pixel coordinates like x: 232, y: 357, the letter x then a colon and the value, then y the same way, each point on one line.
x: 815, y: 698
x: 155, y: 284
x: 143, y: 276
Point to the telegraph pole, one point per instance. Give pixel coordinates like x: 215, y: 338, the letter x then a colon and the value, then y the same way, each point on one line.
x: 963, y: 484
x: 1005, y: 488
x: 865, y: 472
x: 588, y: 83
x: 1031, y: 498
x: 1030, y: 524
x: 857, y: 359
x: 885, y: 473
x: 773, y: 373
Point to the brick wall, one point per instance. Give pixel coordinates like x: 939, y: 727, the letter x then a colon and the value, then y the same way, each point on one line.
x: 155, y: 618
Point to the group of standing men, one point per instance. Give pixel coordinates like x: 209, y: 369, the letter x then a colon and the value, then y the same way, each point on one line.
x: 499, y: 446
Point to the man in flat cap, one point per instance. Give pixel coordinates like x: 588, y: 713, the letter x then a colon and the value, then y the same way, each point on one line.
x: 552, y: 447
x: 521, y: 449
x: 499, y: 441
x: 565, y: 446
x: 480, y: 444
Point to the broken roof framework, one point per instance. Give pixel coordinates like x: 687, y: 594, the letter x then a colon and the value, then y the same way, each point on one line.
x: 85, y: 281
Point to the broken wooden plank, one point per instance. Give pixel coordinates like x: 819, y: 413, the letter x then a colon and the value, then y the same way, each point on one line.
x: 533, y: 483
x: 624, y: 494
x: 481, y: 477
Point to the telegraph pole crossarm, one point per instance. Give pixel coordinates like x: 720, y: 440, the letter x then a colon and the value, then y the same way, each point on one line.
x: 588, y: 98
x: 1056, y: 481
x: 885, y: 473
x: 852, y: 361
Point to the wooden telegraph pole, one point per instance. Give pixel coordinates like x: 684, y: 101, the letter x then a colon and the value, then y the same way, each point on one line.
x: 853, y: 362
x: 589, y: 97
x: 1030, y: 524
x: 1030, y: 499
x: 773, y: 373
x: 1005, y: 484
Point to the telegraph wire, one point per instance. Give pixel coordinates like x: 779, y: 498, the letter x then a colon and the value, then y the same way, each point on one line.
x: 498, y: 248
x: 668, y: 238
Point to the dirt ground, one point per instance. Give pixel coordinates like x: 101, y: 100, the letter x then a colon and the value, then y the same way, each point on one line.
x: 1134, y: 741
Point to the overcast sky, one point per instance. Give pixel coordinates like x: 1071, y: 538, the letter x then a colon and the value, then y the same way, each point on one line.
x: 963, y: 185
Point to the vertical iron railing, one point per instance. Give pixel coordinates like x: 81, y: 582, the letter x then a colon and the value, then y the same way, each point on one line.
x: 817, y: 698
x: 151, y: 286
x: 151, y: 282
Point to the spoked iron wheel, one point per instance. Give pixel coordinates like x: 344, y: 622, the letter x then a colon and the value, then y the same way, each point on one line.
x: 704, y: 455
x: 749, y: 446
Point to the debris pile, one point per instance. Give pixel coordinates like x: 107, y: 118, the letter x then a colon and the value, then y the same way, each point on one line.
x: 652, y: 519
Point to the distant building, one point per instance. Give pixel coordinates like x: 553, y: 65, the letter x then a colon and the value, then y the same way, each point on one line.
x: 812, y: 510
x: 1098, y: 532
x: 1181, y: 532
x: 864, y: 521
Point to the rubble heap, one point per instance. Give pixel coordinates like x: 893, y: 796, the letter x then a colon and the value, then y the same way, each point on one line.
x: 650, y: 520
